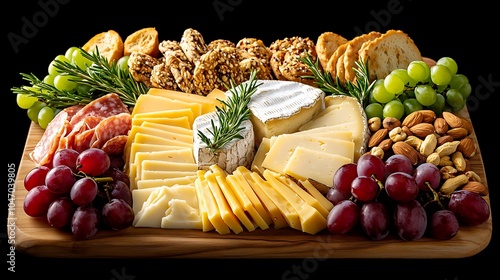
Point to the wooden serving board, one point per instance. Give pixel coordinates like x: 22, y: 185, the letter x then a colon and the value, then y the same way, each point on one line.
x: 35, y: 237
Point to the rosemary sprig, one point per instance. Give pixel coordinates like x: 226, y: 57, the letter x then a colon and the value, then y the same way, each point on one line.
x: 360, y: 90
x: 101, y: 76
x: 232, y: 114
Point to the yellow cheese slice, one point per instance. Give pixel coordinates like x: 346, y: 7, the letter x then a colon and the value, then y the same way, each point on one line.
x: 159, y: 165
x: 156, y: 174
x: 327, y: 204
x: 260, y: 155
x: 311, y: 220
x: 181, y: 215
x: 225, y: 210
x: 145, y: 184
x: 208, y: 103
x: 169, y: 128
x: 139, y: 197
x: 310, y: 164
x: 150, y: 103
x: 168, y: 114
x: 187, y: 139
x: 213, y: 210
x: 153, y: 210
x: 158, y: 140
x: 206, y: 225
x: 179, y: 121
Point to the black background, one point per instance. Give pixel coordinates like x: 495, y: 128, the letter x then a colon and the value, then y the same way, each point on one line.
x: 463, y: 31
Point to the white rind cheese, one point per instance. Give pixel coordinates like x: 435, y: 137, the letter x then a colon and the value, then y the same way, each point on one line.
x: 238, y: 152
x: 279, y: 107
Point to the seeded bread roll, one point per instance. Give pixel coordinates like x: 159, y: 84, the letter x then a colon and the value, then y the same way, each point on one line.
x: 109, y: 44
x: 326, y: 45
x: 144, y: 41
x: 393, y: 50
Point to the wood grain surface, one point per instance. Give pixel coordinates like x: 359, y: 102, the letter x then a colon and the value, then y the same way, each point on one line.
x: 35, y: 237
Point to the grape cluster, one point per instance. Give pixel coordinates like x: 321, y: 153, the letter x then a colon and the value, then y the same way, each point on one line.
x: 38, y: 111
x: 379, y: 197
x: 82, y: 192
x: 438, y: 87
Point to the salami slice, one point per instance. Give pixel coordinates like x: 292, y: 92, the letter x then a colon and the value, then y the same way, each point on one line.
x: 115, y: 145
x: 110, y: 127
x: 83, y: 140
x: 44, y: 150
x: 104, y: 106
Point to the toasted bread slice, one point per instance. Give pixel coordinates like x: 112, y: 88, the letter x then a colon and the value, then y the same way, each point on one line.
x: 109, y: 45
x: 326, y: 45
x: 144, y: 40
x: 393, y: 50
x: 351, y: 53
x: 331, y: 66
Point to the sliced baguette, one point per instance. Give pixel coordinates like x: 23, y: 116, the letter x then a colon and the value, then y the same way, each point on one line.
x: 144, y: 40
x: 331, y: 67
x: 326, y: 44
x: 393, y: 50
x: 109, y: 45
x: 351, y: 53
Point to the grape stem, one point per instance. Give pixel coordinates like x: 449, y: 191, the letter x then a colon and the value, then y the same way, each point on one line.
x: 435, y: 195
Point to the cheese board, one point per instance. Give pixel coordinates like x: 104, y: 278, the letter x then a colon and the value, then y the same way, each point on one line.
x: 35, y: 237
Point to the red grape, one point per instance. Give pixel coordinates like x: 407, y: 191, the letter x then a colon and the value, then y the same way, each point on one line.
x: 117, y: 175
x: 364, y: 188
x: 83, y: 191
x: 85, y: 222
x: 60, y: 179
x: 35, y: 177
x: 335, y: 196
x: 401, y: 186
x: 344, y: 176
x: 469, y: 207
x: 375, y: 220
x: 410, y: 220
x: 122, y: 191
x: 66, y: 157
x: 93, y: 162
x: 443, y: 224
x: 398, y: 163
x: 427, y: 173
x: 60, y: 212
x: 117, y: 214
x: 369, y: 165
x: 343, y: 217
x: 37, y: 201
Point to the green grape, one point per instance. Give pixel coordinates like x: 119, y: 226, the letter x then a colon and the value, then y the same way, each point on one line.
x: 374, y: 110
x: 425, y: 94
x: 465, y: 90
x: 381, y: 95
x: 69, y: 53
x: 52, y: 69
x: 122, y: 63
x: 455, y: 99
x: 418, y: 70
x: 458, y: 80
x: 438, y: 106
x: 79, y: 60
x: 49, y: 79
x: 440, y: 75
x: 394, y: 84
x: 83, y: 88
x: 45, y: 115
x: 34, y: 110
x: 394, y: 108
x: 411, y: 105
x: 450, y: 63
x: 403, y: 74
x: 64, y: 82
x: 25, y: 101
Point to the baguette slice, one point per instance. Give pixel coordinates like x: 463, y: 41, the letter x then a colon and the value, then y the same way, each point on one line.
x: 393, y: 50
x: 326, y: 45
x: 109, y: 44
x: 351, y: 53
x: 144, y: 40
x: 331, y: 66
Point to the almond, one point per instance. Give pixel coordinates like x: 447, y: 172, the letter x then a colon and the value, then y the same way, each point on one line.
x: 476, y: 187
x: 429, y: 115
x: 412, y: 119
x: 403, y: 148
x: 444, y: 139
x: 457, y: 132
x: 467, y: 125
x: 377, y: 137
x: 452, y: 119
x: 467, y: 147
x: 421, y: 130
x: 441, y: 126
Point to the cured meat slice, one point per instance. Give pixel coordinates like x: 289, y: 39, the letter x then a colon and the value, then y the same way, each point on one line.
x: 115, y: 145
x: 104, y: 106
x: 44, y: 150
x: 83, y: 140
x: 110, y: 127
